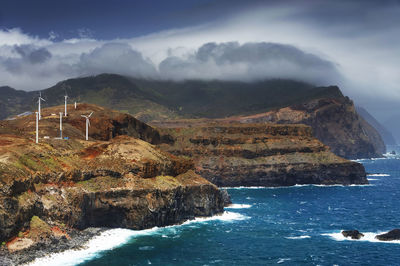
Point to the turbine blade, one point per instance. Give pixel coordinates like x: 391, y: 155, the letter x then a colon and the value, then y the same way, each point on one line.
x: 90, y: 114
x: 88, y: 121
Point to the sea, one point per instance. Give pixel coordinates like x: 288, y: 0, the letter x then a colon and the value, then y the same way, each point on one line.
x: 298, y: 225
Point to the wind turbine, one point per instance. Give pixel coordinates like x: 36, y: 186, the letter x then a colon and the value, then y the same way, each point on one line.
x: 87, y: 124
x: 37, y: 127
x: 40, y: 99
x: 61, y: 125
x: 65, y: 103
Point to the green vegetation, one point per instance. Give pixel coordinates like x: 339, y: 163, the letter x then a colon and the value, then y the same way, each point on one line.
x: 38, y: 227
x: 24, y: 198
x: 151, y: 99
x: 27, y: 161
x: 100, y: 183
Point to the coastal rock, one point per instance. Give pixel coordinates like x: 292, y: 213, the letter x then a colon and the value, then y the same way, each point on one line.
x: 125, y: 182
x: 225, y: 197
x: 389, y: 236
x: 51, y: 189
x: 354, y: 234
x: 236, y: 154
x: 335, y: 123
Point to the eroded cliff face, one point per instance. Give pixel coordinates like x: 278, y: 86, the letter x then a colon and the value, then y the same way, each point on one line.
x: 124, y: 182
x: 335, y: 122
x: 260, y: 155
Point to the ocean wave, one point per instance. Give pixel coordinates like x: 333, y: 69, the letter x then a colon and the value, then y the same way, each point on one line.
x: 368, y: 237
x: 378, y: 175
x: 300, y: 185
x: 297, y: 237
x: 282, y: 260
x: 251, y: 187
x: 238, y: 206
x: 370, y: 159
x: 372, y: 179
x: 352, y: 185
x: 114, y: 238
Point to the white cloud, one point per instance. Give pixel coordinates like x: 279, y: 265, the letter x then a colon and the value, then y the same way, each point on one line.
x: 365, y: 64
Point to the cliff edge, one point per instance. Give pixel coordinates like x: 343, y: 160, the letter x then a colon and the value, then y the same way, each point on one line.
x: 238, y: 154
x: 49, y: 189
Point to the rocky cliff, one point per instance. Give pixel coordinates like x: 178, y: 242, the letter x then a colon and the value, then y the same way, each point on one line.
x: 325, y: 109
x: 334, y: 121
x: 51, y: 188
x: 386, y: 135
x: 237, y: 154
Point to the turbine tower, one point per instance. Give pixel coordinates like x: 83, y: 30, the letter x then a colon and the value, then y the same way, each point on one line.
x: 61, y: 125
x: 87, y: 124
x: 39, y: 100
x: 65, y: 104
x: 37, y: 127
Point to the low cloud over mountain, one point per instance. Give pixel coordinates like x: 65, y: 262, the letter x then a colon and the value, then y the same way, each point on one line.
x: 248, y: 62
x: 49, y: 62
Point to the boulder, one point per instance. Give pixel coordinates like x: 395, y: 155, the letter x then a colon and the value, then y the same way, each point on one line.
x: 354, y: 234
x: 389, y: 236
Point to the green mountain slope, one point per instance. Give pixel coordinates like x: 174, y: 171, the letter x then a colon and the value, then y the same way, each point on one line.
x: 151, y: 99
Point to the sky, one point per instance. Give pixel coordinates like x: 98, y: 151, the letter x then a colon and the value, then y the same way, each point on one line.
x: 353, y: 44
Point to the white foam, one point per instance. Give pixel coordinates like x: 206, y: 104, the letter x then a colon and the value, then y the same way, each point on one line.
x: 337, y: 185
x: 301, y: 185
x: 106, y: 240
x: 238, y: 206
x: 372, y: 179
x: 283, y: 260
x: 378, y: 175
x: 114, y: 238
x: 369, y: 159
x: 298, y: 237
x: 243, y: 187
x: 369, y: 237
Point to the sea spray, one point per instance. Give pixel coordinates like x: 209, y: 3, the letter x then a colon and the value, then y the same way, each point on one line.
x: 298, y: 186
x: 369, y: 236
x: 114, y: 238
x: 238, y: 206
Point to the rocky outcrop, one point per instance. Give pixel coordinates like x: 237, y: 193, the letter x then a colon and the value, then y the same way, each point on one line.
x: 353, y: 234
x: 49, y: 189
x: 383, y: 132
x: 260, y: 155
x: 335, y: 122
x: 389, y: 236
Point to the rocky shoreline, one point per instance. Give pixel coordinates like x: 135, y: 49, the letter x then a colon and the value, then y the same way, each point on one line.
x: 77, y: 240
x: 51, y: 192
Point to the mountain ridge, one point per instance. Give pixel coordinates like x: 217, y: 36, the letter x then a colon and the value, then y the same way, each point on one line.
x: 150, y: 100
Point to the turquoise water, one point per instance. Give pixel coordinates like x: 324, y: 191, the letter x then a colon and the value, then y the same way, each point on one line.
x: 290, y: 226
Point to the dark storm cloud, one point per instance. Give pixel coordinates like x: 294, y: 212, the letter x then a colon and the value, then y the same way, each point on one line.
x: 116, y: 58
x: 32, y: 54
x: 28, y: 55
x: 248, y: 62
